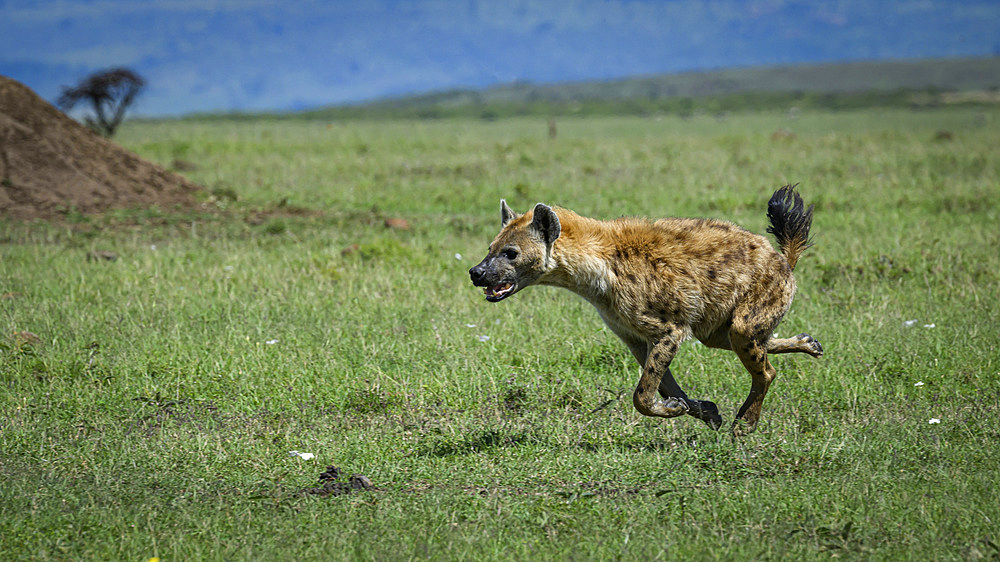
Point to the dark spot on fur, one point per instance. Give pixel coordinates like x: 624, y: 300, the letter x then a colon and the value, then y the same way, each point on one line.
x: 711, y: 274
x: 656, y: 356
x: 632, y: 278
x: 753, y: 247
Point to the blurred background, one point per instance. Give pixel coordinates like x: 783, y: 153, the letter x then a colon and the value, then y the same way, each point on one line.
x: 214, y: 56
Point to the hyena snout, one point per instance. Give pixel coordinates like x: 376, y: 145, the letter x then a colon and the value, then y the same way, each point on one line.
x: 478, y: 274
x: 497, y: 284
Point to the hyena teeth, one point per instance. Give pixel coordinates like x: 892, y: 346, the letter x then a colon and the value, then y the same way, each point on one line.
x: 498, y: 290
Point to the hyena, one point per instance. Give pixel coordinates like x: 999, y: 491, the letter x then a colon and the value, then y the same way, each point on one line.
x: 657, y: 283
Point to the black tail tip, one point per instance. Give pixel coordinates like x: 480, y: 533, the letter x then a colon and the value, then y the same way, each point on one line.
x: 786, y: 210
x: 789, y: 220
x: 786, y: 197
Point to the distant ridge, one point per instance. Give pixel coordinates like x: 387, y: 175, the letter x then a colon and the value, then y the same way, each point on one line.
x: 852, y: 77
x: 831, y: 86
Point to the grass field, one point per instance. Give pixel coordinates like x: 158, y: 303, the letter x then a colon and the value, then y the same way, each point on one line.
x: 155, y: 414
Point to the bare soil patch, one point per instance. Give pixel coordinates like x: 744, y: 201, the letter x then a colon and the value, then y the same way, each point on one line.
x: 51, y: 165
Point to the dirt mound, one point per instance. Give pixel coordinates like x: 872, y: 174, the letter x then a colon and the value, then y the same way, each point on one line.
x: 50, y: 164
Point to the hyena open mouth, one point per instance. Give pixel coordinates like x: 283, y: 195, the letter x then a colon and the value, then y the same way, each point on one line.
x: 498, y: 292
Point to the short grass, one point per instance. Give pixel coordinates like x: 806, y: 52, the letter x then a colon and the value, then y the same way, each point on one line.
x: 155, y: 414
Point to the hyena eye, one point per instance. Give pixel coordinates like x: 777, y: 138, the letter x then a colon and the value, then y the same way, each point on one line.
x: 510, y: 253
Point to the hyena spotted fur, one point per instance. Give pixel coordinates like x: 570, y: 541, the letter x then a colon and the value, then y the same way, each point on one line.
x: 657, y: 283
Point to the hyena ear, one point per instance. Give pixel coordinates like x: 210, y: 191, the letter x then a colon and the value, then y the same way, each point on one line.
x: 545, y: 221
x: 506, y: 213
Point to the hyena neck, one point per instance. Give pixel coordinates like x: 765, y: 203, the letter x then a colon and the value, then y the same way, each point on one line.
x: 580, y: 258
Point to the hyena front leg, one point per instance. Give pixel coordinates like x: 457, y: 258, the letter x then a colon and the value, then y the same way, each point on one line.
x: 655, y: 369
x: 704, y: 410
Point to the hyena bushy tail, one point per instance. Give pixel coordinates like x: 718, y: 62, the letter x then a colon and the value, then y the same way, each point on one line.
x: 790, y: 223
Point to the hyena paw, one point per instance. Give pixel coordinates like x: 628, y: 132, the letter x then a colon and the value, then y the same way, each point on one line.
x: 673, y: 407
x: 743, y: 427
x: 707, y: 412
x: 810, y: 345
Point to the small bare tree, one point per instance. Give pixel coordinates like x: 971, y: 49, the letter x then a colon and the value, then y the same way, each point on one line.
x: 109, y: 93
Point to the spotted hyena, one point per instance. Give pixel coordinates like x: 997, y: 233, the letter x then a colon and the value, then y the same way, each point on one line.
x: 658, y: 283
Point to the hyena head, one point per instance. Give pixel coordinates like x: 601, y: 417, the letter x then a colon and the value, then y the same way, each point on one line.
x: 520, y: 255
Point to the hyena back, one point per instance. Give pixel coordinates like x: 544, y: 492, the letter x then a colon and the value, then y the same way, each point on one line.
x: 656, y: 284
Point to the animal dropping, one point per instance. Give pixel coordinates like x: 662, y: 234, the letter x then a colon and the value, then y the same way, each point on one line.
x: 658, y: 283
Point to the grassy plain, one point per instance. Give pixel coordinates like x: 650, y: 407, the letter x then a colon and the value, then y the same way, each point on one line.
x: 156, y: 413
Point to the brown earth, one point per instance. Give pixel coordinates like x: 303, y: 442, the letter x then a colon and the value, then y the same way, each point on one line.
x: 51, y: 165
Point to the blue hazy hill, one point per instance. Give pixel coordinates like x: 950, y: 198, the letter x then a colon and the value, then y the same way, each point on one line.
x: 269, y: 55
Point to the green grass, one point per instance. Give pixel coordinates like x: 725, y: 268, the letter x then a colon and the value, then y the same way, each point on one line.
x: 154, y: 418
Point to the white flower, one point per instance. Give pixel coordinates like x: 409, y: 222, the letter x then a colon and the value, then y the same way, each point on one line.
x: 271, y: 342
x: 909, y: 323
x: 918, y: 383
x: 933, y: 421
x: 303, y: 456
x: 458, y: 257
x: 484, y: 338
x: 228, y: 268
x: 152, y: 247
x: 929, y: 326
x: 470, y: 325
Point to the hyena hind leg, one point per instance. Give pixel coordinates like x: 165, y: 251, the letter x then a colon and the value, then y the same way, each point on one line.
x: 802, y: 343
x: 753, y: 355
